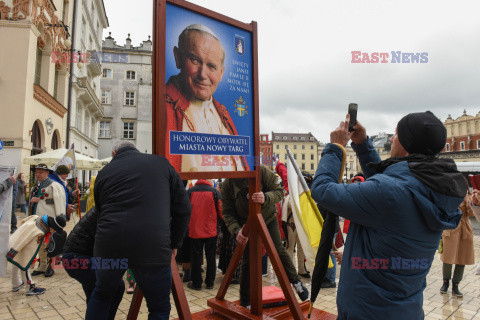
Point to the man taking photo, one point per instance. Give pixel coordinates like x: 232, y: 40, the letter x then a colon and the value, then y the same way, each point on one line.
x: 397, y: 216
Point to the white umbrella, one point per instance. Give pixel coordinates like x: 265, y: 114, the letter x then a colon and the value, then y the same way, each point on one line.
x: 99, y: 164
x: 52, y: 157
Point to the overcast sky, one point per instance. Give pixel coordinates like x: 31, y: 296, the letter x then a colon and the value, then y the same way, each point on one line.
x: 306, y: 76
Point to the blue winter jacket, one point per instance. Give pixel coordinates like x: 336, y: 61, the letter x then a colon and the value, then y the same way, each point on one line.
x: 397, y: 218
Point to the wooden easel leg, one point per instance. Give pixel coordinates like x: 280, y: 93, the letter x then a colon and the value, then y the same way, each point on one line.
x: 255, y: 258
x: 135, y: 304
x: 178, y: 293
x: 237, y: 255
x: 278, y: 268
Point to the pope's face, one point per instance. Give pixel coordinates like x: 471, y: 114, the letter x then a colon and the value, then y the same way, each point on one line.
x: 201, y: 65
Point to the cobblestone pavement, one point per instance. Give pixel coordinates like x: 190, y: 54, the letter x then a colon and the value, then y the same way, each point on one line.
x: 65, y: 299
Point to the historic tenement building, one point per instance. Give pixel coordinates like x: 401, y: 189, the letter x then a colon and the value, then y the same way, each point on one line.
x: 463, y: 138
x: 303, y: 146
x: 126, y: 95
x: 33, y: 84
x: 266, y: 151
x: 86, y: 109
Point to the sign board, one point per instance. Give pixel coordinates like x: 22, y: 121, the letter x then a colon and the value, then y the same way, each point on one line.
x: 1, y: 144
x: 205, y: 92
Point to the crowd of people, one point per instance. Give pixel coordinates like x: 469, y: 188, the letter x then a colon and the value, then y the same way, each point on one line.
x: 395, y: 214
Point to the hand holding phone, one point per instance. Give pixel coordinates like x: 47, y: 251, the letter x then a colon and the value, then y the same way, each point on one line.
x: 352, y: 111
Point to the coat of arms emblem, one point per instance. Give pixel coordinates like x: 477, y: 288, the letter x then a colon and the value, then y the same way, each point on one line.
x: 241, y: 107
x: 239, y: 45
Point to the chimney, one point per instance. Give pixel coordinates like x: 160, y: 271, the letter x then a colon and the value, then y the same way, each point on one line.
x: 128, y: 44
x: 109, y: 41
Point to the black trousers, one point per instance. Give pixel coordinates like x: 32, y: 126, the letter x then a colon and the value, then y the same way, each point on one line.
x: 198, y: 245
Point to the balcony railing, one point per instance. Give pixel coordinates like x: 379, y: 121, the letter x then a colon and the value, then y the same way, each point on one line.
x: 89, y: 94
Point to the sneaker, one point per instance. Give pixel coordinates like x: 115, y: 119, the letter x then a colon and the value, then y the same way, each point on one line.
x: 209, y: 287
x: 15, y: 289
x: 305, y: 275
x: 190, y: 285
x: 37, y: 273
x: 235, y: 281
x: 444, y: 288
x: 328, y: 284
x: 302, y: 291
x: 49, y: 272
x: 34, y: 291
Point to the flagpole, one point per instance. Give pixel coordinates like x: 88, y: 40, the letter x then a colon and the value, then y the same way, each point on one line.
x: 297, y: 169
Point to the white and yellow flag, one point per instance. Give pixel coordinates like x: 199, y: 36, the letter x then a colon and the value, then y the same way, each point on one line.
x: 68, y: 160
x: 307, y: 217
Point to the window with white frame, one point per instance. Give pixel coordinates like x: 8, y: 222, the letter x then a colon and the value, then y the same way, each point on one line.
x: 462, y: 145
x: 303, y: 156
x: 312, y: 139
x: 131, y: 75
x: 312, y: 166
x: 295, y: 138
x: 105, y: 129
x: 128, y: 129
x: 129, y: 98
x: 303, y: 166
x: 92, y: 129
x: 447, y: 146
x: 312, y: 157
x: 303, y: 147
x: 106, y: 96
x: 284, y: 137
x: 277, y: 138
x: 478, y: 144
x: 286, y: 156
x: 278, y: 146
x: 107, y: 73
x: 85, y: 123
x: 311, y: 147
x: 294, y: 146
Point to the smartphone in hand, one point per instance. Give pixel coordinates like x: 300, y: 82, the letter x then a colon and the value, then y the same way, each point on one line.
x: 352, y: 111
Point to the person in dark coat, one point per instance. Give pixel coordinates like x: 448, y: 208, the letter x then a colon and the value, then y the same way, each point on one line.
x: 397, y: 216
x: 77, y: 259
x: 144, y: 213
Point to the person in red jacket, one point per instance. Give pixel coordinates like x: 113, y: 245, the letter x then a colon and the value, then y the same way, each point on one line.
x: 206, y: 207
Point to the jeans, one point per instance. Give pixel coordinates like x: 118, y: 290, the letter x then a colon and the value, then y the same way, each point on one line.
x: 210, y: 245
x: 23, y: 207
x: 86, y: 277
x: 154, y: 282
x: 265, y: 264
x: 332, y: 272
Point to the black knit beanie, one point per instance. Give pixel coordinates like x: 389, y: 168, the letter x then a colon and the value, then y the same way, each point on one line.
x: 57, y: 223
x: 422, y: 133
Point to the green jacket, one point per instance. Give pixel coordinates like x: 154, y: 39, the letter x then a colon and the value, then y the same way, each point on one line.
x: 235, y: 202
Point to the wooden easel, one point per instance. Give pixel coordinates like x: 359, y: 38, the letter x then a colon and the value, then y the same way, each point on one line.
x: 255, y: 228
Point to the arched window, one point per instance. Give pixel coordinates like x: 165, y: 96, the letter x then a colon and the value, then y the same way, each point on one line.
x: 36, y: 139
x: 55, y: 139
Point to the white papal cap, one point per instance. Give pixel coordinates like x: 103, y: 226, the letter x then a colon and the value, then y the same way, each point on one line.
x: 201, y: 27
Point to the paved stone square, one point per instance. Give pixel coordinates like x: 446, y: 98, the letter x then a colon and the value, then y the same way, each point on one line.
x: 65, y: 299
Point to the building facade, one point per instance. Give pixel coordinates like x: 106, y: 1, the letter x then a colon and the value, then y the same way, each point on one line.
x: 463, y: 138
x: 303, y: 147
x: 126, y: 95
x: 33, y: 84
x: 352, y: 165
x: 266, y: 151
x: 86, y: 111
